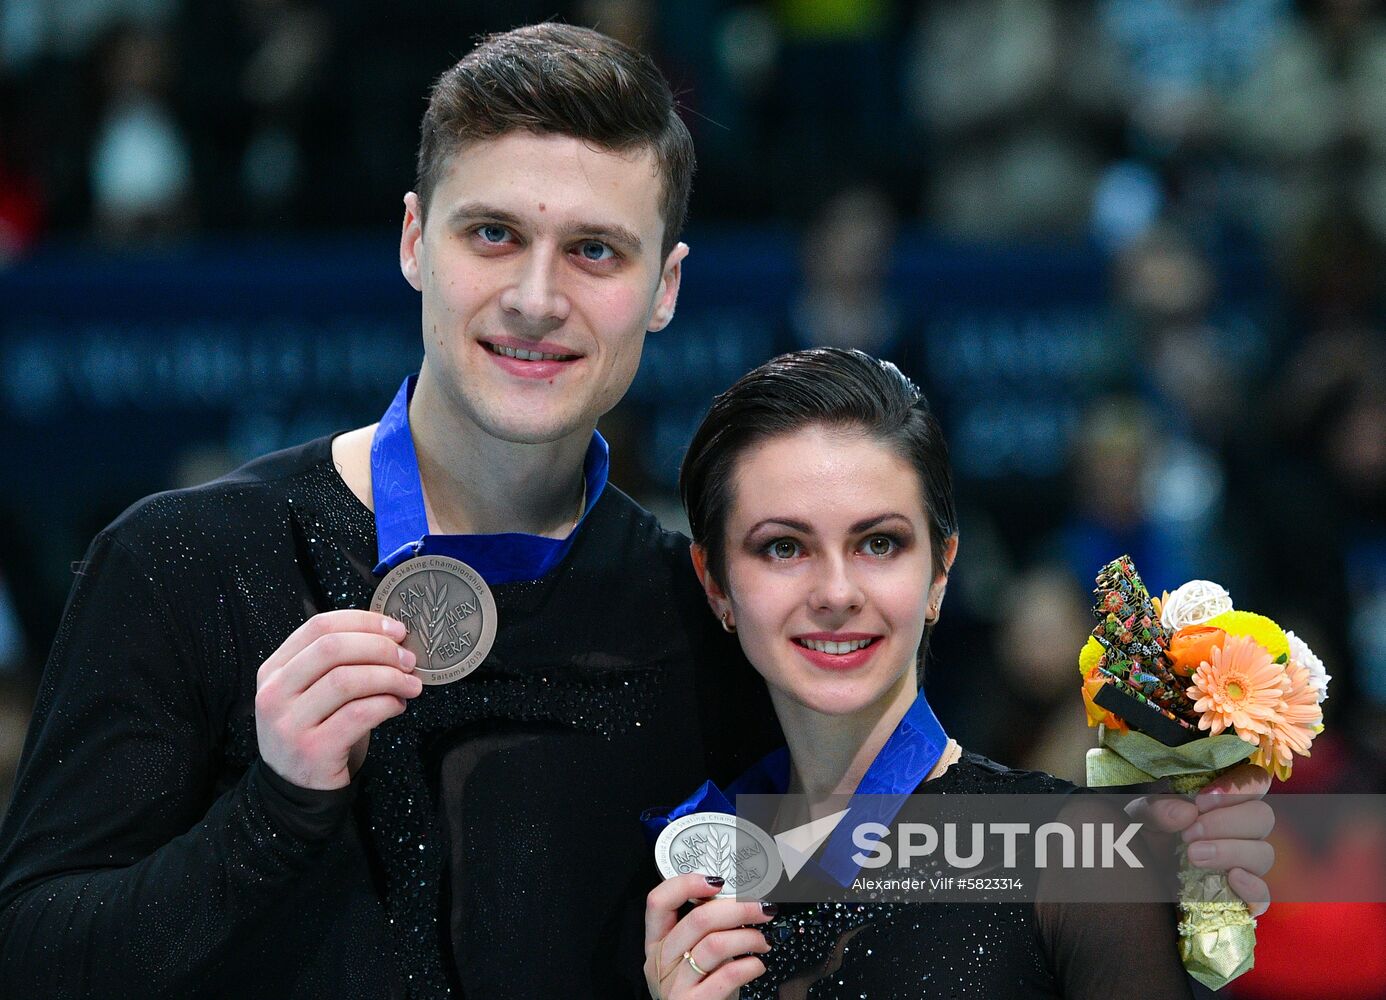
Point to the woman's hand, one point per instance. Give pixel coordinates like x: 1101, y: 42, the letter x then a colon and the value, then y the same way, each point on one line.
x: 723, y: 949
x: 1225, y: 828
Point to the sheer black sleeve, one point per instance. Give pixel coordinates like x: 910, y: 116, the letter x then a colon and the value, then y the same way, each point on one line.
x: 117, y: 836
x: 1098, y: 949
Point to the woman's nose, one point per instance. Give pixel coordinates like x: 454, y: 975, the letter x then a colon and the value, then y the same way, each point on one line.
x: 835, y: 588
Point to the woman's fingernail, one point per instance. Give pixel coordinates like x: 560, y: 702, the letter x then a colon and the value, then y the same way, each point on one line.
x: 716, y: 881
x: 769, y: 909
x: 395, y: 627
x: 1201, y: 853
x: 1193, y: 833
x: 1207, y: 800
x: 407, y: 658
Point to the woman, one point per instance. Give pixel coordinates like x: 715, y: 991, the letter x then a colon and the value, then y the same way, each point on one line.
x: 820, y: 500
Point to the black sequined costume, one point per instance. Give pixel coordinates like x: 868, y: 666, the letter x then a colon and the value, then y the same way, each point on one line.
x: 913, y: 951
x: 489, y: 847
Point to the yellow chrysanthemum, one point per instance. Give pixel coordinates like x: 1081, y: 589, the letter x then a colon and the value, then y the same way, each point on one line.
x: 1240, y: 688
x: 1254, y: 626
x: 1087, y: 659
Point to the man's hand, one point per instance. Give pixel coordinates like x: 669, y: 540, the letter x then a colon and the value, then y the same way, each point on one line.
x: 320, y: 694
x: 1225, y: 827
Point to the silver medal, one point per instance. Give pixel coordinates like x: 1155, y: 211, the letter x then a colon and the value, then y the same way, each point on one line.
x: 449, y: 612
x: 714, y: 843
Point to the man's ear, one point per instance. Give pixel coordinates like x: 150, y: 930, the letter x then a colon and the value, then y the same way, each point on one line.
x: 411, y: 241
x: 716, y: 596
x: 667, y: 295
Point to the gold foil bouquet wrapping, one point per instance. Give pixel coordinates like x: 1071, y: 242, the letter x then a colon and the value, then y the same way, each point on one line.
x: 1184, y: 688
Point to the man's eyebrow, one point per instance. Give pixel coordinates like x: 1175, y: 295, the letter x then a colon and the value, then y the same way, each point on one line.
x: 479, y: 210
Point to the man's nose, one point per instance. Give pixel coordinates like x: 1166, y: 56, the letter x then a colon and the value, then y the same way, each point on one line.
x: 534, y: 294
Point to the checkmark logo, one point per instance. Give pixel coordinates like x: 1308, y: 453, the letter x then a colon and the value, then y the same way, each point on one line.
x: 797, y: 845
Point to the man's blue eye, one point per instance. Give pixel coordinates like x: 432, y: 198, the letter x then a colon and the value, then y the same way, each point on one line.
x: 596, y: 250
x: 493, y: 234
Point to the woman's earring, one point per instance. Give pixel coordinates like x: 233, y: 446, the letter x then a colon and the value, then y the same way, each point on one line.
x: 726, y: 622
x: 932, y: 617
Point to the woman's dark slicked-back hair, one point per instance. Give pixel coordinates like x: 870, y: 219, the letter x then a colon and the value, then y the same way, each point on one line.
x: 560, y: 79
x: 826, y: 387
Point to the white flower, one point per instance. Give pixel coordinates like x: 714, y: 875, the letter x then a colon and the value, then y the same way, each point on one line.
x: 1193, y: 604
x: 1304, y: 656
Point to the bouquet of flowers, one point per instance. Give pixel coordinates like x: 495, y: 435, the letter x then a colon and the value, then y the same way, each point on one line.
x: 1184, y: 687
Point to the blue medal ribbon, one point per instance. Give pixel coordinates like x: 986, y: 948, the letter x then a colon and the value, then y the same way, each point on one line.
x: 909, y: 754
x: 401, y: 523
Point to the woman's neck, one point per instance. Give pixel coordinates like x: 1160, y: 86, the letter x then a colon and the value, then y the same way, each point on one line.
x: 829, y: 754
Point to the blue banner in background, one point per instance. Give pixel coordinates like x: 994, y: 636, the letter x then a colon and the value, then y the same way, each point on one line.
x: 147, y: 370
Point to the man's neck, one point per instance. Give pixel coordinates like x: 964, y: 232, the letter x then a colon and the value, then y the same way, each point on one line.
x: 474, y: 483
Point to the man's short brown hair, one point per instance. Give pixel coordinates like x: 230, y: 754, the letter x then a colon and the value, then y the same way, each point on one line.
x: 565, y: 80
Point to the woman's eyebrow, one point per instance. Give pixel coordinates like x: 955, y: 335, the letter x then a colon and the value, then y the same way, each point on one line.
x: 868, y: 523
x: 785, y: 522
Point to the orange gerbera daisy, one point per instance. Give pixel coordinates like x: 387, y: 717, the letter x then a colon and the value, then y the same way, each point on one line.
x: 1297, y: 722
x: 1239, y: 687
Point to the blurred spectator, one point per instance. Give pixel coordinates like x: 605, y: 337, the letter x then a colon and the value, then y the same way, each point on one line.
x: 1179, y: 62
x: 141, y: 170
x: 1015, y: 98
x: 1042, y: 623
x: 1178, y: 57
x: 1123, y: 465
x: 1311, y: 117
x: 837, y: 96
x: 845, y: 300
x: 266, y: 160
x: 1197, y: 371
x: 21, y: 204
x: 31, y: 29
x: 1324, y: 513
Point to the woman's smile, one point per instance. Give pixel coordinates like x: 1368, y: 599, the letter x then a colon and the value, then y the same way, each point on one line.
x: 837, y: 650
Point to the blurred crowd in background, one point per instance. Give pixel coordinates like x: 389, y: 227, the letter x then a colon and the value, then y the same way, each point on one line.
x: 1133, y: 250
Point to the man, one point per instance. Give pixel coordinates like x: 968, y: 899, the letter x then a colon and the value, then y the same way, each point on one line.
x: 236, y: 783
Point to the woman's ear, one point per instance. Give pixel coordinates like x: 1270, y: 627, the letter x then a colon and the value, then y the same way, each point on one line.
x: 716, y: 597
x: 940, y: 581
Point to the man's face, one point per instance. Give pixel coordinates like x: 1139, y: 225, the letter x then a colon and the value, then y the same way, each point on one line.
x: 541, y: 272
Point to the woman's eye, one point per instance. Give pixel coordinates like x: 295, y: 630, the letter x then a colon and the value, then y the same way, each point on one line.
x: 595, y: 250
x: 783, y: 548
x: 880, y: 545
x: 493, y: 233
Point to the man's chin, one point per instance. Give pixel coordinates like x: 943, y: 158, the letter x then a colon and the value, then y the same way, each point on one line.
x: 537, y: 430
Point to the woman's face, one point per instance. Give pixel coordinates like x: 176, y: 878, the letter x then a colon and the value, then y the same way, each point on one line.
x: 829, y: 576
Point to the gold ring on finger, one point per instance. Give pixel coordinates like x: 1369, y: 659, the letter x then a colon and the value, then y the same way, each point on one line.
x: 688, y: 957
